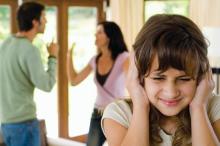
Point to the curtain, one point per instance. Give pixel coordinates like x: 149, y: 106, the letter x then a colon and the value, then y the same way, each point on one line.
x: 205, y: 12
x: 129, y: 15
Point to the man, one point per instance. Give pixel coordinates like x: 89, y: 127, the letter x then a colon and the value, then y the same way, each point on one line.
x: 21, y: 70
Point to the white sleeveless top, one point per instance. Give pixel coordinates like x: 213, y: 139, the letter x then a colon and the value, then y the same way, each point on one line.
x: 121, y: 112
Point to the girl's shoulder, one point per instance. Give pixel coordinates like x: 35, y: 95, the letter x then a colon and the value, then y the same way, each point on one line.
x: 214, y: 100
x: 120, y: 111
x: 213, y: 108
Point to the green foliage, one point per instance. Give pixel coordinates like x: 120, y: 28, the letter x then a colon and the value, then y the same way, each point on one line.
x: 4, y: 12
x: 81, y: 12
x: 4, y: 22
x: 153, y: 7
x: 177, y: 7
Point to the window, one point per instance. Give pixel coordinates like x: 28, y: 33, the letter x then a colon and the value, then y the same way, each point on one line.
x: 83, y: 35
x: 47, y: 99
x: 153, y: 7
x: 5, y: 29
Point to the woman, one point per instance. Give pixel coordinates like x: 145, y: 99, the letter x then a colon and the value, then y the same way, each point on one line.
x: 110, y: 66
x: 170, y: 84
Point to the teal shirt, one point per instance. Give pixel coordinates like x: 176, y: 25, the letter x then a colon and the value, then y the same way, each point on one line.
x: 21, y: 70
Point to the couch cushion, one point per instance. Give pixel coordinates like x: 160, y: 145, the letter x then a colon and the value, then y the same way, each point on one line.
x: 63, y: 142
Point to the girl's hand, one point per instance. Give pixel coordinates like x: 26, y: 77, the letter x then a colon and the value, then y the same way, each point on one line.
x: 204, y: 90
x: 136, y: 91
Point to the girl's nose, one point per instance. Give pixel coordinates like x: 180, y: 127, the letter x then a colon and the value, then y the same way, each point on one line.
x: 170, y: 90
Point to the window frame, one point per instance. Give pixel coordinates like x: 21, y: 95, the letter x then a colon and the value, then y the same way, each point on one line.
x: 13, y: 8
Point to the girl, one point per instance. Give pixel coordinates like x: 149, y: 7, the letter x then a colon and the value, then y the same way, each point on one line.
x: 170, y: 84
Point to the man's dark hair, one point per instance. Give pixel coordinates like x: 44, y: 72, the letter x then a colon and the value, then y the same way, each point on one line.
x: 28, y: 12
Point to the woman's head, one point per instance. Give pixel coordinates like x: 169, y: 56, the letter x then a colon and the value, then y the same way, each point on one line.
x: 176, y: 42
x: 109, y: 34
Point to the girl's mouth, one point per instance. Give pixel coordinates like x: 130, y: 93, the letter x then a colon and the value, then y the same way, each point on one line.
x: 170, y: 102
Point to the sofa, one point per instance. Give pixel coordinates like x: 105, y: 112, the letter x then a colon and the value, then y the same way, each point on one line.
x: 62, y: 142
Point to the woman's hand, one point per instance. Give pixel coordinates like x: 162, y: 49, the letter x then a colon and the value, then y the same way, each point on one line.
x: 136, y: 91
x: 204, y: 90
x: 70, y: 52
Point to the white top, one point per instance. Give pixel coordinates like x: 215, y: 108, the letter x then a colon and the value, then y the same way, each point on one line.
x: 121, y: 112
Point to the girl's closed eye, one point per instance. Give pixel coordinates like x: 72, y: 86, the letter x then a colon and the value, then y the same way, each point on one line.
x: 158, y: 78
x: 185, y: 79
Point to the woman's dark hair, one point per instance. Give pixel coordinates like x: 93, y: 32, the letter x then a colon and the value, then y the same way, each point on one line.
x: 116, y: 40
x: 177, y: 43
x: 28, y: 12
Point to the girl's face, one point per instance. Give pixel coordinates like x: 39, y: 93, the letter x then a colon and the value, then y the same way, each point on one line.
x: 170, y: 91
x: 101, y: 38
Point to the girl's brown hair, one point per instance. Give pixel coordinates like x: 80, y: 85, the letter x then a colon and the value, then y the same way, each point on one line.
x: 178, y: 43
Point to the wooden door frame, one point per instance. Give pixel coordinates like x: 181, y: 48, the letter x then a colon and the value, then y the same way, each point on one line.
x: 100, y: 17
x: 13, y: 6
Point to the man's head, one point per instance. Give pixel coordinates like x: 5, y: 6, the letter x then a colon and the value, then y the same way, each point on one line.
x: 31, y: 15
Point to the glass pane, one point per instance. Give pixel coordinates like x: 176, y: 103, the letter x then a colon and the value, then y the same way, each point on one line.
x: 5, y: 29
x: 212, y: 35
x: 82, y: 26
x: 166, y: 6
x: 44, y: 98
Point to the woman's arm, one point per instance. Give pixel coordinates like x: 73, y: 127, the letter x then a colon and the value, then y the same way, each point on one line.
x: 203, y: 133
x: 74, y: 77
x: 138, y: 132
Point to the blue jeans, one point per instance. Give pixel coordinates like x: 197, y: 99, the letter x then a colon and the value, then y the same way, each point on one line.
x: 22, y: 134
x: 95, y: 136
